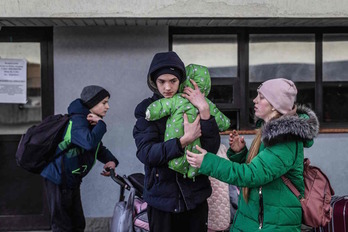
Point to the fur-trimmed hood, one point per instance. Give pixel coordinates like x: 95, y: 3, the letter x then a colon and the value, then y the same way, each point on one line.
x: 304, y: 126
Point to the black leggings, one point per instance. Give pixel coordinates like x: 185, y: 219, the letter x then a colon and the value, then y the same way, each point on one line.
x: 195, y: 220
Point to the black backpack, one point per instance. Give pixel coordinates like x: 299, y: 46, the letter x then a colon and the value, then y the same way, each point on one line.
x: 38, y: 145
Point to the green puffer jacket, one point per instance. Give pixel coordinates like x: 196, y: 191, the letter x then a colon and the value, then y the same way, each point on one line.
x: 277, y: 156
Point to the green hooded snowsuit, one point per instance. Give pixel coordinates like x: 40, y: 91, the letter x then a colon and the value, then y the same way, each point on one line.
x: 175, y: 108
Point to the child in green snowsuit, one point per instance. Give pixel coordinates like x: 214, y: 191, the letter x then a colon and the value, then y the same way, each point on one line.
x: 175, y: 108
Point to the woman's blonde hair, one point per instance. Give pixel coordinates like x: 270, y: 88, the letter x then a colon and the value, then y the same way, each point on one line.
x: 254, y: 150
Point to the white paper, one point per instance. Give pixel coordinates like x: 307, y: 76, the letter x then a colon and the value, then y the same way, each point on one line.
x: 13, y: 81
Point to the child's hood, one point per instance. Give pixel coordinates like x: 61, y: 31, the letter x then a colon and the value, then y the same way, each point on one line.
x: 77, y: 107
x: 200, y: 75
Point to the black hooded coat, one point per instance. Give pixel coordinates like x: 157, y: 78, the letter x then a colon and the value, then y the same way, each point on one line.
x: 166, y: 189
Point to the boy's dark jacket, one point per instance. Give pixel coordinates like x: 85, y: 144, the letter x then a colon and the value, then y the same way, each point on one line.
x: 166, y: 189
x: 84, y: 139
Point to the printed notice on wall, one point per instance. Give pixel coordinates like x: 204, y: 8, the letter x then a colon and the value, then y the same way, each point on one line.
x: 13, y: 81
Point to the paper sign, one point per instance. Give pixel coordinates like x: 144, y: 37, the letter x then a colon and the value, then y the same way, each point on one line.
x: 13, y: 81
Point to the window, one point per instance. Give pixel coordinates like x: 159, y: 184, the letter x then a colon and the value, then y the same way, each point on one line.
x: 239, y: 59
x: 17, y: 118
x: 290, y: 56
x: 218, y: 52
x: 335, y: 78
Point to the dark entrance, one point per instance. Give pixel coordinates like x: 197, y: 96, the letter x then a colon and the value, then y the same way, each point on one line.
x: 22, y: 195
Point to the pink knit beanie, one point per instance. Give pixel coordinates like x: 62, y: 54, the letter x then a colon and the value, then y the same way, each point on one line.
x: 280, y: 93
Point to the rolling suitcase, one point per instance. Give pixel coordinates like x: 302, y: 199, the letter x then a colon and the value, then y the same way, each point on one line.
x: 339, y: 221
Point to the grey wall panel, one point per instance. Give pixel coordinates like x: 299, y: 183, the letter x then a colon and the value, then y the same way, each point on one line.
x: 117, y: 58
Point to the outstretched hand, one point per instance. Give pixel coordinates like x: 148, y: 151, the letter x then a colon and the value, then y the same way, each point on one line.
x: 197, y: 99
x: 236, y: 142
x: 195, y: 160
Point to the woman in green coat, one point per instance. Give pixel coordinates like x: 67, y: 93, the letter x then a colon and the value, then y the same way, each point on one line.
x: 266, y: 203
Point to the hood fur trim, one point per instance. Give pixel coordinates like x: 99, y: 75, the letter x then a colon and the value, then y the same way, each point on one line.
x: 291, y: 127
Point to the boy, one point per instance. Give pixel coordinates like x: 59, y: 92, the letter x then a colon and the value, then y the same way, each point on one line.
x: 63, y: 176
x: 174, y: 203
x: 176, y: 106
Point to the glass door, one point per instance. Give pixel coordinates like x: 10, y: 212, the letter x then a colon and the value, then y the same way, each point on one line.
x: 26, y: 96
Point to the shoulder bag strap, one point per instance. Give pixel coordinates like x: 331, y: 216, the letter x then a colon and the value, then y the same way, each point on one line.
x: 288, y: 182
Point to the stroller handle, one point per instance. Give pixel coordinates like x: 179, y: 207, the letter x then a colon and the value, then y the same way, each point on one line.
x: 117, y: 178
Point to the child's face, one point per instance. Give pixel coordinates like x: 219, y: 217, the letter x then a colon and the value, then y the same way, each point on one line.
x: 101, y: 108
x: 167, y: 85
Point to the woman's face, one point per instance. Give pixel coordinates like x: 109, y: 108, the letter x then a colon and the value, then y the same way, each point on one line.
x: 262, y: 108
x: 101, y: 108
x: 167, y: 85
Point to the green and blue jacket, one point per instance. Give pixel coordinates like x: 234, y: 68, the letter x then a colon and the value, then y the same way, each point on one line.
x: 85, y: 145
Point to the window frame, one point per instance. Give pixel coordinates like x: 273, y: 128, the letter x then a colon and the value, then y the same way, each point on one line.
x: 243, y: 34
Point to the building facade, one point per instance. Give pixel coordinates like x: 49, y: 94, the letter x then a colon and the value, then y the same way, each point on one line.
x: 69, y: 44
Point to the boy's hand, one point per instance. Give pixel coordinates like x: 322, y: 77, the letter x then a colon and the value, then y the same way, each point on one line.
x: 110, y: 165
x: 192, y: 131
x: 93, y: 119
x: 197, y: 99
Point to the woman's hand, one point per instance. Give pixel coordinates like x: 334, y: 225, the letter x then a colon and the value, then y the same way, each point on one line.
x: 192, y: 131
x: 237, y: 143
x: 197, y: 99
x: 93, y: 119
x: 195, y: 160
x: 110, y: 165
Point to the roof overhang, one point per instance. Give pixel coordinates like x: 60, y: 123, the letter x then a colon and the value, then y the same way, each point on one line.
x: 175, y: 22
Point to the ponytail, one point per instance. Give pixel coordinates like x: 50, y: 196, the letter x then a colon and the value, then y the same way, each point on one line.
x: 254, y: 150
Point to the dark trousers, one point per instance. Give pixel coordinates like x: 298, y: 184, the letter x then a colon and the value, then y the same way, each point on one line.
x: 65, y: 207
x: 195, y: 220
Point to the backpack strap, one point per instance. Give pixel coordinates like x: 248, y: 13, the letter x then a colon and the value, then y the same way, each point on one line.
x: 62, y: 152
x: 63, y: 177
x: 290, y: 185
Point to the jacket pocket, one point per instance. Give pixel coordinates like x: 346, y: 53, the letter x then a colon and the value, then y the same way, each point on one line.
x: 151, y: 178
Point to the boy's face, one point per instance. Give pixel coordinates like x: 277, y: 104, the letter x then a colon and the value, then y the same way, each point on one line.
x: 101, y: 108
x: 167, y: 85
